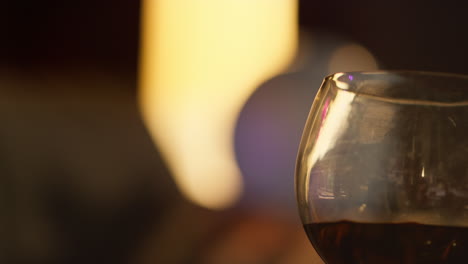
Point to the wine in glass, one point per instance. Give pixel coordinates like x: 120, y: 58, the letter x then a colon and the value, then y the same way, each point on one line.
x: 382, y: 169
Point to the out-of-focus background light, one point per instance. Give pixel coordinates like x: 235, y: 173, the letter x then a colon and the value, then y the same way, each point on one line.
x: 270, y: 124
x: 351, y: 57
x: 200, y: 62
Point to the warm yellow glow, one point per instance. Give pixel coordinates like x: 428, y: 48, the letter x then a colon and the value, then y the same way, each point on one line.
x: 351, y: 57
x: 200, y: 62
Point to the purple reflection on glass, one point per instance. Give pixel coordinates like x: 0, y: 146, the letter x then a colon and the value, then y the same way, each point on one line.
x: 350, y: 77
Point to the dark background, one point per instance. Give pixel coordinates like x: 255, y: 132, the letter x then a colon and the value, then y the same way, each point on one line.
x: 76, y: 157
x: 103, y: 35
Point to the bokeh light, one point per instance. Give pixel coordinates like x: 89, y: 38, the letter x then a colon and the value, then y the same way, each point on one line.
x: 200, y: 62
x: 270, y: 125
x: 352, y: 57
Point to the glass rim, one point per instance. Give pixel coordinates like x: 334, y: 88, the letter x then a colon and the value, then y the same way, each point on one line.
x: 404, y: 86
x: 400, y: 72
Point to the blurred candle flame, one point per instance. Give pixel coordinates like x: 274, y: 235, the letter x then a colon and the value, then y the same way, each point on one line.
x: 200, y: 62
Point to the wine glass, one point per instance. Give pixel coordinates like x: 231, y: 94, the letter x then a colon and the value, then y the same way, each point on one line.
x: 382, y: 169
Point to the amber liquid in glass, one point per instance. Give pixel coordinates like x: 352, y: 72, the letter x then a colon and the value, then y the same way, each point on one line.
x: 347, y: 242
